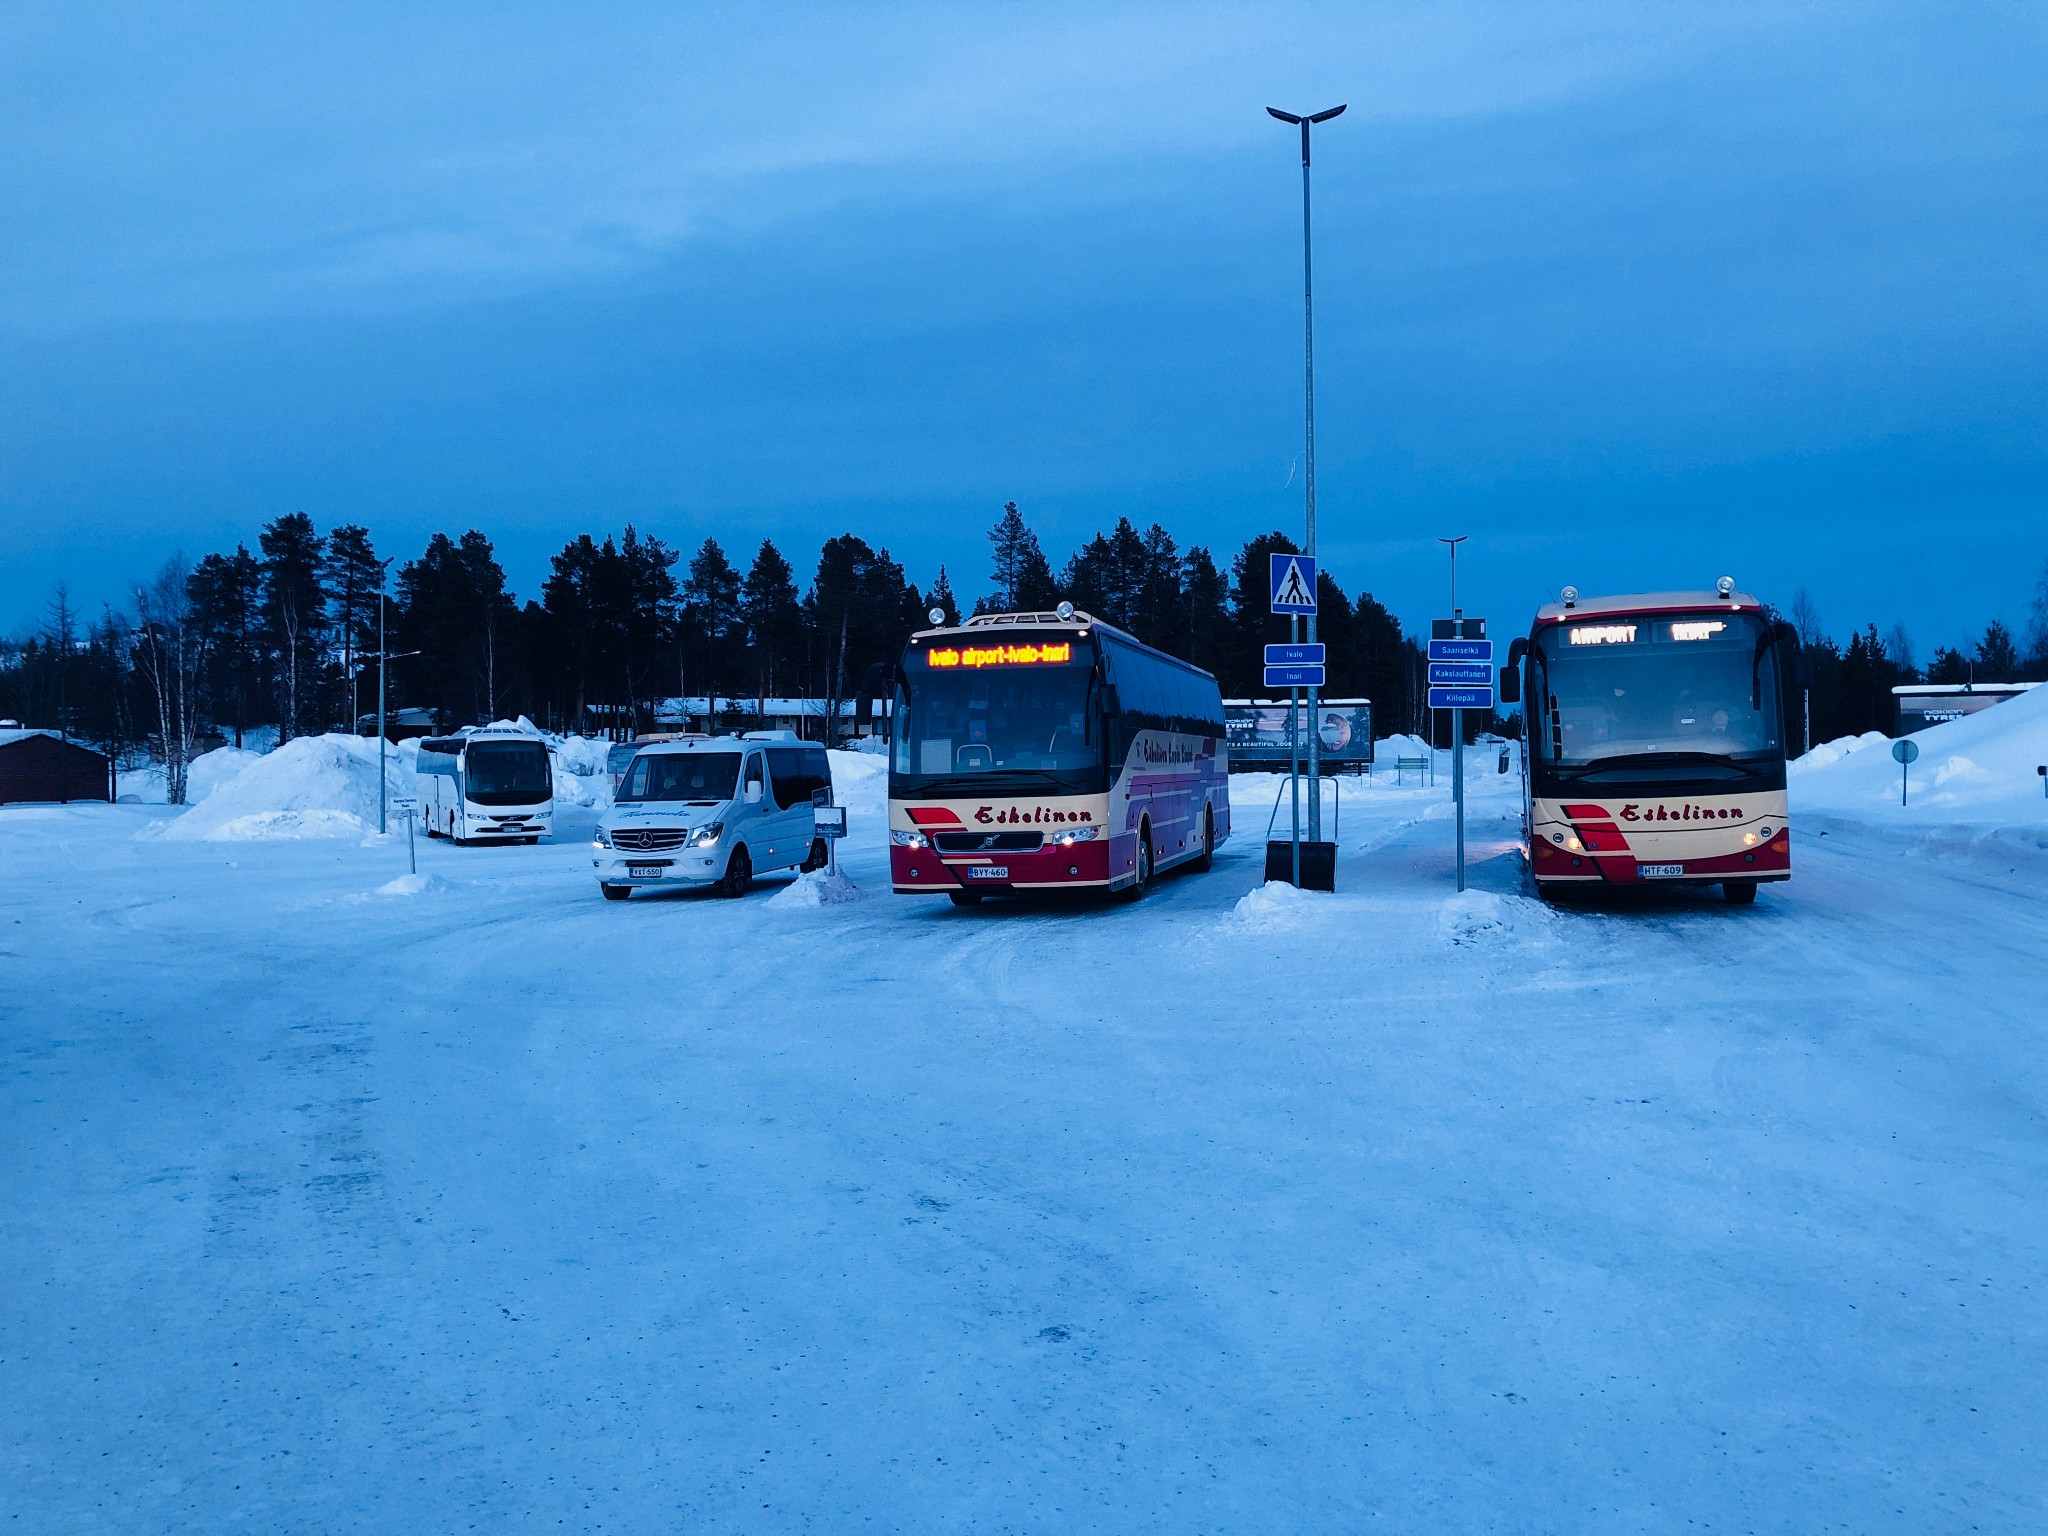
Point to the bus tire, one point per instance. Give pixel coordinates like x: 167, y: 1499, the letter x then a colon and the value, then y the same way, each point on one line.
x: 1207, y: 855
x: 965, y: 898
x: 1738, y: 893
x: 817, y: 858
x: 739, y: 872
x: 1141, y: 881
x: 615, y: 892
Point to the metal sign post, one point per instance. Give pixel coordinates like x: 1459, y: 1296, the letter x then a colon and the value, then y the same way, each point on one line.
x: 1903, y: 753
x: 1460, y: 678
x: 406, y: 805
x: 1291, y: 590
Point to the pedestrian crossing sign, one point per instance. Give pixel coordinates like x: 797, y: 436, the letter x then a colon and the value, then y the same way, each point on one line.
x: 1292, y: 583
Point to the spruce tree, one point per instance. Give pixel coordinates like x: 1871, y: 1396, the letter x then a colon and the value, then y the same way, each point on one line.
x: 352, y: 576
x: 294, y: 614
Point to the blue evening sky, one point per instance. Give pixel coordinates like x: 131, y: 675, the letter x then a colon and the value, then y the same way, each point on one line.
x: 1633, y: 295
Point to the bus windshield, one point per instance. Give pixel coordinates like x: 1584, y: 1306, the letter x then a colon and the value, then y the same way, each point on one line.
x: 506, y: 772
x: 1679, y: 687
x: 704, y: 778
x: 993, y: 722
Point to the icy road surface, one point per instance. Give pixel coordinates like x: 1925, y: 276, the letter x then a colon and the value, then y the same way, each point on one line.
x: 478, y: 1202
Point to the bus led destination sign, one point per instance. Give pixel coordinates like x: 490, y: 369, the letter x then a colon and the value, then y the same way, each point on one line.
x: 1003, y: 655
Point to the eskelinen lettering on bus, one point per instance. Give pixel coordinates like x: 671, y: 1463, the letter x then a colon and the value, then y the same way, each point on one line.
x: 1656, y: 735
x: 493, y: 784
x: 1035, y: 752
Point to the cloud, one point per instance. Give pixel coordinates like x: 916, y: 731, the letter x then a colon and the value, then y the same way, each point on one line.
x: 236, y: 161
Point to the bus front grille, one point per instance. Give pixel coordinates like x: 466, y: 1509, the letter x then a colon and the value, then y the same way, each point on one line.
x: 990, y: 842
x: 649, y: 840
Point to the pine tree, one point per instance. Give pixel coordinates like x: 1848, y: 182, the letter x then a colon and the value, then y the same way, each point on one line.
x: 452, y: 607
x: 294, y: 613
x: 571, y: 599
x: 647, y: 616
x: 352, y: 577
x: 714, y: 628
x: 226, y: 594
x: 940, y: 596
x: 1949, y: 666
x: 1206, y: 601
x: 1023, y: 576
x: 1998, y: 658
x: 775, y: 621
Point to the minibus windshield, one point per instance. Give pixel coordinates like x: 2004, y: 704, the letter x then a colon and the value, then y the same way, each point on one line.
x: 506, y: 772
x: 706, y: 778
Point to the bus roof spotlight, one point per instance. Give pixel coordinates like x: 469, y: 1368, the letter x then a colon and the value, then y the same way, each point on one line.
x: 1065, y: 610
x: 937, y: 615
x: 1571, y: 596
x: 1725, y: 586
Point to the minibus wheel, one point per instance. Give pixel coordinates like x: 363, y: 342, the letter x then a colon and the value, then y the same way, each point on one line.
x: 739, y: 872
x: 1738, y: 893
x: 616, y: 892
x: 818, y: 857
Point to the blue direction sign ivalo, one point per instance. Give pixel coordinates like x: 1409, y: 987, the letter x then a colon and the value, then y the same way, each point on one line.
x: 1291, y: 582
x: 1461, y: 698
x: 1304, y: 655
x: 1294, y: 677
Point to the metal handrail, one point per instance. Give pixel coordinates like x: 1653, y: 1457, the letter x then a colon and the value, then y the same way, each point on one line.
x: 1336, y: 805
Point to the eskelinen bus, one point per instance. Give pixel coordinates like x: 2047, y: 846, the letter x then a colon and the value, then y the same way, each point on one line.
x: 1050, y: 751
x: 1656, y: 741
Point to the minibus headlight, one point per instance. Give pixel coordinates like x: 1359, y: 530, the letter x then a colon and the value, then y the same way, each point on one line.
x: 1073, y: 835
x: 707, y: 836
x: 601, y: 839
x: 910, y: 839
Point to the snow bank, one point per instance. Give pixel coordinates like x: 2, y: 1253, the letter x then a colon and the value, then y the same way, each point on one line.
x: 860, y: 782
x: 1834, y: 751
x: 1274, y: 905
x: 816, y: 889
x: 412, y: 885
x: 1977, y: 771
x: 212, y: 769
x: 316, y: 786
x: 1389, y: 748
x: 1476, y: 918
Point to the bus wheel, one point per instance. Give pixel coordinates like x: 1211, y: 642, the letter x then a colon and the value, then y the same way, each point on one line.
x: 1738, y: 893
x: 1136, y: 889
x: 1208, y: 854
x: 965, y: 898
x: 739, y: 873
x: 616, y: 892
x: 818, y: 857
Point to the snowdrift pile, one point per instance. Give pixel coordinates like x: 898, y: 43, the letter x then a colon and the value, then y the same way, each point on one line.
x: 316, y: 786
x: 1976, y: 771
x: 1834, y: 751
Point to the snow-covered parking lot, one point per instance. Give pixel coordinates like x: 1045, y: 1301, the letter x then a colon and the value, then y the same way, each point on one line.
x: 496, y: 1206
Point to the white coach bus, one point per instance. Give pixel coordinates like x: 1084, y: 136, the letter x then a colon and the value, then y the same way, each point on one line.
x: 495, y: 783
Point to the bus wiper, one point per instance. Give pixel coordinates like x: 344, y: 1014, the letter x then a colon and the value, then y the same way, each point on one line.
x: 1626, y: 760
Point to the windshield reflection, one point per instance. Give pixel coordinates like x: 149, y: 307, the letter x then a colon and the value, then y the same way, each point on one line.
x: 1693, y: 686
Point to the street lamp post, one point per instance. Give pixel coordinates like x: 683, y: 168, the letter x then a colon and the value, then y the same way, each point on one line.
x: 1308, y: 314
x: 1457, y: 718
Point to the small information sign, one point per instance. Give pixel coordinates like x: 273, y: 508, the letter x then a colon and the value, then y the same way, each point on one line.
x: 1294, y: 677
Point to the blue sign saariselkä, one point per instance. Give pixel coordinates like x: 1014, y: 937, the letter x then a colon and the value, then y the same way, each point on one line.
x: 1291, y: 581
x: 1461, y: 650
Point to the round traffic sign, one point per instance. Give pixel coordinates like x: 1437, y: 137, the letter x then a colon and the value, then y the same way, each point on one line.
x: 1905, y: 750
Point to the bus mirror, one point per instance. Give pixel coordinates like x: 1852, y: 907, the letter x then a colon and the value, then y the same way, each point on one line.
x: 1510, y: 687
x: 1110, y: 706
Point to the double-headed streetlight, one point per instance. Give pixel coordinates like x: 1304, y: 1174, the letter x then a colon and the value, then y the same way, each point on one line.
x: 1308, y: 312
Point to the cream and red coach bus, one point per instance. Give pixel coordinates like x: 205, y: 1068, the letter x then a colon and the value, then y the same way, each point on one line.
x: 1050, y: 751
x: 1656, y: 741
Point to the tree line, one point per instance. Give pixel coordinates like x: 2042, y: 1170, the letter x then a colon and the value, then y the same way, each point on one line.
x: 289, y: 634
x: 1851, y: 684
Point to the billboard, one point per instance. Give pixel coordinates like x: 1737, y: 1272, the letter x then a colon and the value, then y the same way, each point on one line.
x: 1258, y: 732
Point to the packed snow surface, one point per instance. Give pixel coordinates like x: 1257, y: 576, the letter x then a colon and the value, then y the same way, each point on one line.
x: 343, y: 1200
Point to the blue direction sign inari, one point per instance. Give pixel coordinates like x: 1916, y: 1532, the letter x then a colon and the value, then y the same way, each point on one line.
x: 1291, y: 579
x: 1304, y: 655
x: 1294, y: 677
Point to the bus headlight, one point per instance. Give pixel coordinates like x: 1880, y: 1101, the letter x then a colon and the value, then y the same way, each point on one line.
x: 910, y: 839
x: 1574, y: 844
x: 707, y: 836
x: 1073, y: 835
x: 1749, y: 839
